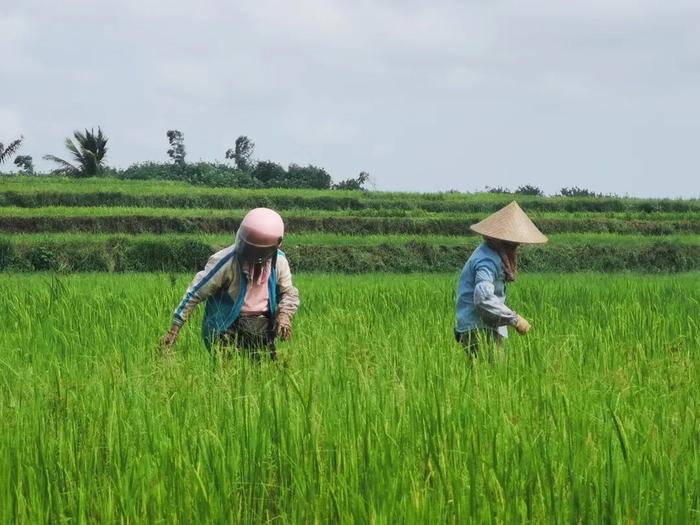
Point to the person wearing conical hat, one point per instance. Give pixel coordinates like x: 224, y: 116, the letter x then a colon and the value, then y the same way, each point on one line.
x: 250, y: 298
x: 482, y: 313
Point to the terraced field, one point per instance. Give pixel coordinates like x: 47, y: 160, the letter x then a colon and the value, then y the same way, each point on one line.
x: 110, y: 225
x: 372, y: 413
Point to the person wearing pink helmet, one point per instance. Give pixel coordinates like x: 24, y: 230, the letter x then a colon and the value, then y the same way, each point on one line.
x: 250, y: 298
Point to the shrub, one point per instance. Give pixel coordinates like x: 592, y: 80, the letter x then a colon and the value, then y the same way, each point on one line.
x: 311, y: 177
x: 575, y: 191
x: 529, y: 190
x: 148, y: 170
x: 353, y: 184
x: 269, y: 173
x: 221, y: 176
x: 201, y: 174
x: 42, y: 258
x: 498, y: 189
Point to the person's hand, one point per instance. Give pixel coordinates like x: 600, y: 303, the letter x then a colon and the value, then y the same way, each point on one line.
x: 168, y: 340
x: 284, y: 326
x: 522, y: 326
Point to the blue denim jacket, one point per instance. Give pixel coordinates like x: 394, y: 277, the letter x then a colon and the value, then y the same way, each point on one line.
x: 481, y: 294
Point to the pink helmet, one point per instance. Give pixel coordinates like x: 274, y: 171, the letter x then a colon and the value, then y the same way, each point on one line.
x: 259, y: 235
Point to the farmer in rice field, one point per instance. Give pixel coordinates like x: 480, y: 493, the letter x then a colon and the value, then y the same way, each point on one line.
x: 250, y: 298
x: 482, y: 314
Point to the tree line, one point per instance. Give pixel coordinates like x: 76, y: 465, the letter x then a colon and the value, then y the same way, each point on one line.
x: 88, y: 151
x: 529, y: 189
x: 87, y: 158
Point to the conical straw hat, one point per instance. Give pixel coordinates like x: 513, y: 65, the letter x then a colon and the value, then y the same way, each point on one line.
x: 510, y: 224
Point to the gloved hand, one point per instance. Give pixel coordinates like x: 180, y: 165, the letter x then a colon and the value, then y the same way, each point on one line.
x: 522, y: 326
x: 284, y: 326
x: 168, y: 340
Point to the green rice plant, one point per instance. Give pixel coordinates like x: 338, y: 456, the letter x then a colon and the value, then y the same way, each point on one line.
x: 49, y: 191
x: 342, y: 253
x: 335, y: 239
x: 372, y: 413
x: 353, y: 223
x: 120, y: 211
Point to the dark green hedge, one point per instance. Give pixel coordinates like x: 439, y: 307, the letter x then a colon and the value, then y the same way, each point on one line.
x: 345, y: 225
x: 124, y: 255
x: 338, y: 202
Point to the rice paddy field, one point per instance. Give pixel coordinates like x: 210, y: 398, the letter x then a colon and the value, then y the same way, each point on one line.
x: 372, y: 413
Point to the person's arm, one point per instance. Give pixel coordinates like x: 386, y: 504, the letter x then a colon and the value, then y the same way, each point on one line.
x: 216, y: 274
x: 288, y: 298
x: 490, y: 308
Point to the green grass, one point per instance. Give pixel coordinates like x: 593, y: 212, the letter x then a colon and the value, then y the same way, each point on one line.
x: 372, y: 415
x: 153, y: 187
x: 331, y: 239
x: 118, y: 211
x: 25, y: 184
x: 141, y: 187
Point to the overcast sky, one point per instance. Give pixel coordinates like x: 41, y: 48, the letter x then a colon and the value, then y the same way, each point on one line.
x: 434, y: 95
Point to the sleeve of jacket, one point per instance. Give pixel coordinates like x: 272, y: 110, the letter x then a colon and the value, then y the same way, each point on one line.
x: 216, y: 274
x: 287, y: 294
x: 490, y: 308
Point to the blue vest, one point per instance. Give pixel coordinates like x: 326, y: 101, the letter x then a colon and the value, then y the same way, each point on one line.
x: 221, y: 311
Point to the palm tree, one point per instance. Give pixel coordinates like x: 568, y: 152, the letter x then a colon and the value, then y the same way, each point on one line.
x: 7, y: 151
x: 88, y: 151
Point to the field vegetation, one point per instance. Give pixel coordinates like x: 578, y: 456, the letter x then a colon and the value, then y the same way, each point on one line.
x: 373, y: 414
x: 105, y: 224
x: 55, y: 191
x: 66, y: 252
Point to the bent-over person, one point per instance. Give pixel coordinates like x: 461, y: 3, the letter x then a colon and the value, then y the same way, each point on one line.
x: 250, y: 298
x: 482, y: 314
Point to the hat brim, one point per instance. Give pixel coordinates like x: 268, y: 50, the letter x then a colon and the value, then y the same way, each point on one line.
x: 511, y: 224
x: 530, y: 238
